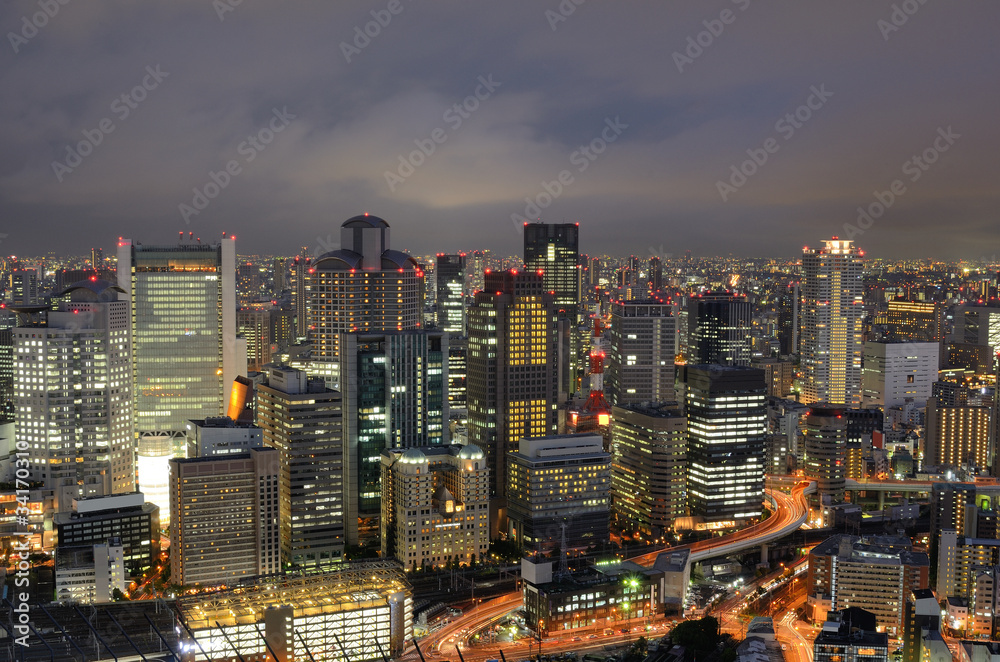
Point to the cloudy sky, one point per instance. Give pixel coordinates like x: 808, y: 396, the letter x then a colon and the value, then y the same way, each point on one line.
x: 318, y: 121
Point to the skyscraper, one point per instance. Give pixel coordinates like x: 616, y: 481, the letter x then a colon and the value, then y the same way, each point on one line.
x: 450, y: 273
x: 364, y: 287
x: 719, y: 329
x: 832, y: 307
x: 825, y: 438
x: 643, y: 340
x: 22, y: 290
x: 394, y: 387
x: 511, y: 383
x: 73, y: 388
x: 301, y: 270
x: 8, y: 320
x: 898, y: 371
x: 255, y: 325
x: 186, y: 352
x: 554, y: 249
x: 302, y: 419
x: 727, y: 426
x: 655, y: 273
x: 279, y: 276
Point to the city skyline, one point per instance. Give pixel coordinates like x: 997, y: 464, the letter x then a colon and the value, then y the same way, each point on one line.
x: 280, y: 152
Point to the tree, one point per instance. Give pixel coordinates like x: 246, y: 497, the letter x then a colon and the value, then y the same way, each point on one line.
x: 701, y: 635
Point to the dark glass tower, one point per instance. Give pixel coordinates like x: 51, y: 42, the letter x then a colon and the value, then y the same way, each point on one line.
x: 719, y: 329
x: 450, y: 273
x: 555, y: 250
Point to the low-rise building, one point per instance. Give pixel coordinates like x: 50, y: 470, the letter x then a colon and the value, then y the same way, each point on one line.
x: 222, y: 436
x: 850, y: 636
x: 128, y: 517
x: 90, y: 574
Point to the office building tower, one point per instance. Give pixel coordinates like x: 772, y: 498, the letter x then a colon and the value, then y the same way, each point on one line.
x: 394, y: 387
x: 450, y: 274
x: 727, y: 426
x: 279, y: 276
x: 8, y: 320
x: 643, y: 347
x: 73, y: 394
x: 554, y: 249
x: 90, y: 574
x: 458, y: 372
x: 957, y: 436
x: 22, y: 287
x: 249, y: 283
x: 365, y: 287
x: 225, y: 524
x: 128, y: 517
x: 302, y: 270
x: 851, y: 637
x: 648, y: 467
x: 478, y: 262
x: 361, y: 611
x: 831, y: 334
x: 892, y: 373
x: 978, y: 324
x: 788, y: 320
x: 778, y: 375
x: 96, y: 257
x: 302, y: 419
x: 655, y: 274
x: 186, y: 352
x: 435, y: 505
x: 573, y: 466
x: 913, y: 321
x: 254, y: 324
x: 876, y: 574
x: 825, y: 439
x: 222, y: 436
x: 512, y: 387
x: 719, y: 329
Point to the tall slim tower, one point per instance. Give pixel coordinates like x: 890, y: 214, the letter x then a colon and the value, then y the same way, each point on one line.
x: 303, y: 420
x: 186, y: 353
x: 825, y: 433
x: 831, y: 338
x: 301, y: 268
x: 364, y: 287
x: 73, y: 394
x: 727, y: 426
x: 512, y: 386
x: 555, y: 250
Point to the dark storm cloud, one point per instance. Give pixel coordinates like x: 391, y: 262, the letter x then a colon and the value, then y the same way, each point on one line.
x: 656, y: 185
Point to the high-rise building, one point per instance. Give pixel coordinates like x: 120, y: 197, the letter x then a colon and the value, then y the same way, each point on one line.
x: 8, y: 320
x: 22, y: 289
x: 648, y: 467
x: 96, y: 257
x: 458, y: 372
x: 778, y: 375
x: 512, y: 386
x: 554, y: 249
x: 825, y: 440
x: 978, y: 324
x: 719, y: 328
x: 303, y: 420
x: 364, y: 287
x: 394, y: 386
x: 435, y: 505
x: 643, y: 344
x: 249, y: 283
x: 279, y: 276
x: 225, y: 517
x: 301, y: 276
x: 73, y: 394
x: 450, y: 274
x: 222, y: 436
x: 831, y: 333
x: 186, y: 351
x: 892, y: 373
x: 573, y: 466
x: 957, y: 436
x: 655, y: 274
x: 727, y: 426
x: 914, y: 321
x: 255, y: 326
